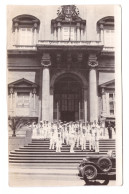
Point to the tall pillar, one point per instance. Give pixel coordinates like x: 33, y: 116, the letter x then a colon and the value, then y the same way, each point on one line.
x: 93, y: 97
x: 59, y: 31
x: 35, y: 33
x: 102, y: 33
x: 11, y: 100
x: 54, y: 33
x: 16, y: 26
x: 78, y: 31
x: 82, y: 32
x: 34, y: 97
x: 103, y: 102
x: 46, y: 62
x: 51, y: 104
x: 85, y: 104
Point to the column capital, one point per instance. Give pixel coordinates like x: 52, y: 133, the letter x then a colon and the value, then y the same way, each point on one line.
x: 16, y: 25
x: 103, y: 91
x: 46, y: 60
x: 34, y: 91
x: 78, y: 25
x: 35, y: 26
x: 11, y: 90
x: 59, y: 24
x: 101, y: 26
x: 92, y: 62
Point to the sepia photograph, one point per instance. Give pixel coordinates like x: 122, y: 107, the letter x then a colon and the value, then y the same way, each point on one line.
x: 63, y: 84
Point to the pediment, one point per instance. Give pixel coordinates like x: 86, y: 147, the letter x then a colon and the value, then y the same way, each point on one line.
x: 109, y: 84
x: 22, y: 83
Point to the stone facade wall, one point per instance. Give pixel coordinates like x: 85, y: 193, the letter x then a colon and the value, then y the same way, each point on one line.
x: 46, y: 13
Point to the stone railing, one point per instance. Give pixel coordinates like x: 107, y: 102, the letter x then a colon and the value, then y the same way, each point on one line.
x: 68, y: 43
x: 24, y: 47
x: 108, y: 49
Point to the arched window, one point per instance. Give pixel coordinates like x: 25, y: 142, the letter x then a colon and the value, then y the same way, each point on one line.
x: 25, y: 28
x: 106, y: 31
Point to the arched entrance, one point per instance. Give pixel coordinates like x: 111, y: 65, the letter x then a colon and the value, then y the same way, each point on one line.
x: 68, y: 98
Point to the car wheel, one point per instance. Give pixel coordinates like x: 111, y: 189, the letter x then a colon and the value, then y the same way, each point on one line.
x: 105, y: 164
x: 89, y: 172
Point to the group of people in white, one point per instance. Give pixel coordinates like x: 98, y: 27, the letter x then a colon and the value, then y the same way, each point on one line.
x: 73, y: 134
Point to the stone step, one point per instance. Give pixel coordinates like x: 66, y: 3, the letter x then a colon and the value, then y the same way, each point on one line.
x: 64, y: 146
x: 55, y: 153
x: 38, y: 152
x: 44, y: 161
x: 79, y: 158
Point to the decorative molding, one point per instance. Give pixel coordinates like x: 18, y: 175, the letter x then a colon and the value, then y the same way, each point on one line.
x: 28, y: 20
x: 66, y: 14
x: 93, y: 61
x: 46, y: 60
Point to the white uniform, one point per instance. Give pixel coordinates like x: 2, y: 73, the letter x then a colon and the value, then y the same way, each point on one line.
x: 72, y: 141
x: 41, y: 132
x: 89, y: 136
x: 34, y: 131
x: 67, y: 136
x: 52, y: 140
x: 97, y: 137
x: 83, y: 138
x: 93, y: 134
x: 58, y: 142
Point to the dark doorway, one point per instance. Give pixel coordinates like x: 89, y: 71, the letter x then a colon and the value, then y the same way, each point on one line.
x: 67, y: 116
x: 67, y: 98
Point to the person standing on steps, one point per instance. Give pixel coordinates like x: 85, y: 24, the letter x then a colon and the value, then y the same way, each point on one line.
x: 52, y: 140
x: 109, y: 128
x: 72, y: 141
x: 83, y: 138
x: 58, y: 141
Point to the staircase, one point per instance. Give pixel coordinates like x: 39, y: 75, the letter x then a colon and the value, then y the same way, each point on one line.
x: 38, y: 152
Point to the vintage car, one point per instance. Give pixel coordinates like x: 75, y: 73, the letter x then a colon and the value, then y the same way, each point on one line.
x: 97, y: 167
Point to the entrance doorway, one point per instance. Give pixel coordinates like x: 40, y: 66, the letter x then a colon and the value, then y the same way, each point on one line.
x: 68, y: 99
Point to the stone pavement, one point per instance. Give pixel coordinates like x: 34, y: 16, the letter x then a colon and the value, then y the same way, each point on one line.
x: 41, y: 175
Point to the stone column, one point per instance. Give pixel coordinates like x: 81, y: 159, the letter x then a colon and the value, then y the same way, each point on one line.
x: 59, y: 31
x: 93, y: 98
x: 57, y: 111
x: 82, y: 32
x: 51, y: 104
x: 34, y: 102
x: 11, y: 99
x: 103, y: 102
x: 102, y: 33
x: 78, y: 31
x: 16, y: 28
x: 54, y: 33
x: 79, y: 110
x: 85, y: 104
x: 35, y: 33
x: 46, y: 62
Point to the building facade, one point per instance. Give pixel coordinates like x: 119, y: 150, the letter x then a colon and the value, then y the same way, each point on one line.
x: 61, y: 62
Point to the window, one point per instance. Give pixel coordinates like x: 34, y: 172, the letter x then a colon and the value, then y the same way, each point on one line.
x: 25, y: 28
x: 108, y: 37
x: 68, y: 33
x: 106, y: 31
x: 25, y: 37
x: 112, y: 104
x: 23, y: 99
x: 68, y: 26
